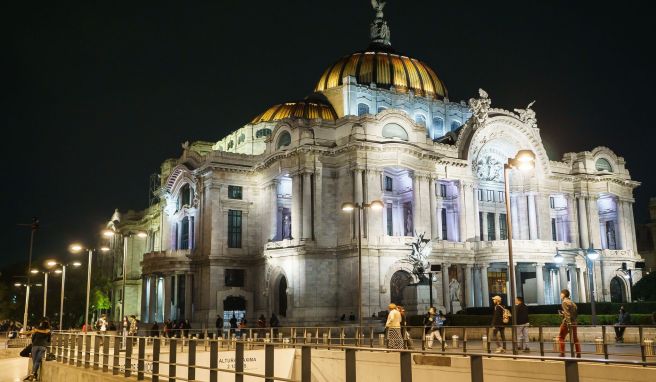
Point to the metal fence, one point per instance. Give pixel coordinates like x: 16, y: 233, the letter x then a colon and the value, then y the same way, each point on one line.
x: 157, y: 357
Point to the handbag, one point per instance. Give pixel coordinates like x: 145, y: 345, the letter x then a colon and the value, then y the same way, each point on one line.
x: 27, y: 351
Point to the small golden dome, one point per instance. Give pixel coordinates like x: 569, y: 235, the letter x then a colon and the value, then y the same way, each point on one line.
x: 306, y: 109
x: 384, y: 68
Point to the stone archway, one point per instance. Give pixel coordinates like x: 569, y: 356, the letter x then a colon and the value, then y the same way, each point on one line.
x: 281, y: 297
x: 617, y: 290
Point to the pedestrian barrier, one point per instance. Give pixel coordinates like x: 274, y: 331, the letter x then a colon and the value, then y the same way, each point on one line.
x: 649, y: 347
x: 599, y: 345
x: 454, y: 341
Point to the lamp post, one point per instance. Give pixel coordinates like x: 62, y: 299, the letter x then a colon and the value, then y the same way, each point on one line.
x: 590, y: 255
x: 108, y: 233
x: 76, y: 248
x: 349, y: 207
x: 34, y: 226
x: 62, y: 271
x: 524, y: 161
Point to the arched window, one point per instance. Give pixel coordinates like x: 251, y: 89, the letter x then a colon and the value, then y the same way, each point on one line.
x: 438, y: 127
x: 420, y: 119
x: 363, y: 109
x: 393, y: 130
x: 185, y: 197
x: 184, y: 233
x: 603, y: 165
x: 262, y: 133
x: 455, y: 125
x: 231, y: 144
x: 285, y: 139
x: 241, y: 139
x: 381, y: 108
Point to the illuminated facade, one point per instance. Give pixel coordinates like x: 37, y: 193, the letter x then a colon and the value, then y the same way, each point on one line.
x: 252, y: 223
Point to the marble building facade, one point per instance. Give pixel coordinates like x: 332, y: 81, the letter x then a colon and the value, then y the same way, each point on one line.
x: 252, y: 223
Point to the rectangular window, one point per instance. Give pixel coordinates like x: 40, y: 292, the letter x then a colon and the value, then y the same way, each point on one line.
x: 552, y: 202
x: 502, y: 196
x: 480, y: 195
x: 444, y: 225
x: 234, y: 229
x: 234, y: 192
x: 443, y: 190
x: 390, y: 220
x: 234, y: 277
x: 184, y: 233
x: 480, y: 225
x: 554, y: 236
x: 389, y: 183
x: 490, y: 195
x: 491, y: 234
x: 503, y: 228
x: 610, y: 235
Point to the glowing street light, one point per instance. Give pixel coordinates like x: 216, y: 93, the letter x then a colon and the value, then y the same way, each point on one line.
x: 75, y: 248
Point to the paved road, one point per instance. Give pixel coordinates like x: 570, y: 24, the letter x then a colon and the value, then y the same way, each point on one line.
x: 13, y: 369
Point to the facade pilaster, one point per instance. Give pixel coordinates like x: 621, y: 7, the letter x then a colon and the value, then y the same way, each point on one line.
x: 433, y: 208
x: 318, y: 203
x: 416, y: 204
x: 477, y: 223
x: 462, y: 213
x: 297, y: 197
x: 532, y: 218
x: 573, y: 273
x: 484, y: 285
x: 445, y: 287
x: 273, y: 210
x: 583, y: 222
x: 514, y: 218
x: 307, y: 206
x: 189, y: 286
x: 439, y: 220
x: 152, y: 300
x: 144, y: 299
x: 572, y: 218
x: 373, y: 191
x: 583, y: 285
x: 622, y: 225
x: 497, y: 226
x: 562, y: 272
x: 167, y: 297
x: 485, y: 225
x: 469, y: 285
x: 539, y: 278
x: 593, y: 222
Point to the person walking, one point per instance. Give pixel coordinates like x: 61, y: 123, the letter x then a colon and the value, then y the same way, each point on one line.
x: 40, y: 343
x: 623, y: 319
x: 433, y: 323
x: 498, y: 325
x: 568, y: 325
x: 233, y: 324
x: 393, y: 328
x: 219, y: 325
x: 521, y: 333
x: 407, y: 339
x: 134, y: 326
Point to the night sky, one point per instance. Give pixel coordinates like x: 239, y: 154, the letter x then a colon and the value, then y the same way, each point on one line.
x: 98, y: 94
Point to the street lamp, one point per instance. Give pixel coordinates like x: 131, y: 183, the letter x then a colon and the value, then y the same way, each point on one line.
x: 523, y: 161
x: 75, y: 248
x: 108, y: 233
x: 62, y: 271
x: 590, y: 255
x: 375, y: 205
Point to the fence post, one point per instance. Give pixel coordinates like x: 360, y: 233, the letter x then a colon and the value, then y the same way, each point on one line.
x: 127, y: 365
x: 571, y: 371
x: 156, y: 345
x: 476, y: 362
x: 173, y: 348
x: 541, y: 339
x: 96, y: 352
x: 643, y: 354
x: 105, y: 343
x: 117, y: 349
x: 71, y: 349
x: 79, y: 338
x: 239, y: 362
x: 487, y: 344
x: 464, y: 340
x: 214, y: 360
x: 87, y: 351
x: 306, y: 364
x: 268, y: 363
x: 350, y: 365
x: 191, y: 368
x: 406, y: 366
x: 61, y: 355
x: 141, y: 355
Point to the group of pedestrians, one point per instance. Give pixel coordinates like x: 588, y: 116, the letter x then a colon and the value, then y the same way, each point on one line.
x: 397, y: 333
x: 41, y: 336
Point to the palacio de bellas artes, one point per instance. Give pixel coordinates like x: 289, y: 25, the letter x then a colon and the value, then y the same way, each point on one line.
x: 253, y: 223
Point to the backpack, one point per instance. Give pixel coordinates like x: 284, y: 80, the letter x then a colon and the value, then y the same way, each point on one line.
x: 506, y: 315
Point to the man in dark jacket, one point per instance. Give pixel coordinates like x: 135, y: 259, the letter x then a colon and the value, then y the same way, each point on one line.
x: 521, y: 310
x: 497, y: 323
x: 40, y: 342
x: 623, y: 319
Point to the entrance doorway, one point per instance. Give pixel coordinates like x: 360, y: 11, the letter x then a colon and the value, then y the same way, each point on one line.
x: 281, y: 297
x: 399, y: 281
x: 233, y: 306
x: 617, y: 291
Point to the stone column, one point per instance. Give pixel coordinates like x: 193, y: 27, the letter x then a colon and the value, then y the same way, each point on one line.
x: 374, y: 218
x: 273, y: 210
x: 583, y: 223
x: 593, y: 222
x: 522, y: 217
x: 297, y: 195
x: 484, y: 285
x: 497, y: 227
x: 462, y: 213
x: 445, y: 287
x: 562, y: 272
x: 477, y: 223
x: 318, y: 202
x: 469, y: 285
x: 416, y: 204
x: 583, y: 294
x: 477, y: 286
x: 307, y: 206
x: 539, y: 278
x: 152, y: 300
x: 572, y: 218
x: 433, y: 208
x: 144, y: 299
x: 439, y: 220
x: 189, y: 286
x: 632, y: 241
x: 485, y: 225
x: 167, y: 297
x: 574, y: 281
x: 621, y: 225
x: 514, y: 216
x: 532, y: 218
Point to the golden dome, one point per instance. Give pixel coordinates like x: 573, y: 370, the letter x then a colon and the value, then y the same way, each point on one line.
x: 306, y: 109
x: 385, y: 69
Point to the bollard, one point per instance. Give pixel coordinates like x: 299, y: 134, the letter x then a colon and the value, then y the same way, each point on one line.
x: 599, y: 345
x: 649, y: 347
x: 308, y: 338
x: 325, y: 338
x: 381, y: 340
x: 454, y: 341
x: 484, y: 342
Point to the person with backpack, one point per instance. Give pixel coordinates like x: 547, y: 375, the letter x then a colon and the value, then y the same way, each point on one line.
x: 500, y: 317
x: 432, y: 326
x: 568, y: 325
